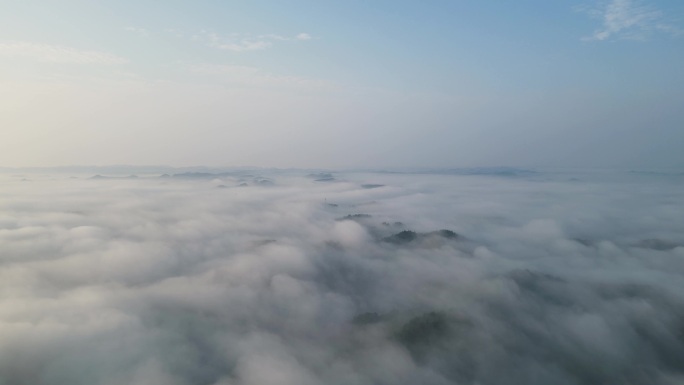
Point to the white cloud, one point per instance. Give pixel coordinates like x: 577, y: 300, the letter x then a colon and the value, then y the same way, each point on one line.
x: 243, y: 45
x: 175, y: 32
x: 51, y: 53
x: 240, y: 42
x: 630, y: 19
x: 174, y: 281
x: 137, y: 30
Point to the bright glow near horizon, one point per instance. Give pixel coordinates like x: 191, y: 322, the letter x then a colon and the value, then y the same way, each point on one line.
x: 350, y: 84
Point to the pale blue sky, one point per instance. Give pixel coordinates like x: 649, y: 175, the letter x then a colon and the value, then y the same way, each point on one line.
x: 342, y: 84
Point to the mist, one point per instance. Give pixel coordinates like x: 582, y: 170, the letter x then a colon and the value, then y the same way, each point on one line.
x: 297, y: 277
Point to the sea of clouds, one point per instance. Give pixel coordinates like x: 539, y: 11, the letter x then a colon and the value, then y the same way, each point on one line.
x: 295, y: 279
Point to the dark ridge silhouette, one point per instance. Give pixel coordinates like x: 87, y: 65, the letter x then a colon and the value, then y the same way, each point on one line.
x: 425, y: 329
x: 444, y: 234
x: 394, y: 224
x: 405, y: 236
x: 657, y: 244
x: 585, y: 242
x: 320, y: 175
x: 263, y: 182
x: 98, y: 176
x: 408, y: 236
x: 354, y: 217
x: 196, y: 175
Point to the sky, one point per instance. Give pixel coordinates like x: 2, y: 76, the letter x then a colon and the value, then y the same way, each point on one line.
x: 353, y: 84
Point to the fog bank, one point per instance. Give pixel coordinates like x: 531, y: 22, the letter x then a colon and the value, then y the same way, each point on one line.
x: 342, y: 278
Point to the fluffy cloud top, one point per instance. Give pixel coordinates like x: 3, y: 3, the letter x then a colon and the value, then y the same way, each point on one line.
x: 283, y: 279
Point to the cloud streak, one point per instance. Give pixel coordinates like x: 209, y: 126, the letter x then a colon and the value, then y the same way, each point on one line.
x: 50, y: 53
x: 630, y: 20
x: 238, y: 42
x: 138, y: 31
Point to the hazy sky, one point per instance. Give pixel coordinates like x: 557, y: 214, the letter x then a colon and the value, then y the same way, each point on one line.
x: 342, y: 84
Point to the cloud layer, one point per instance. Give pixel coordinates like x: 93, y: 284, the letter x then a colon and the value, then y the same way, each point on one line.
x: 284, y: 278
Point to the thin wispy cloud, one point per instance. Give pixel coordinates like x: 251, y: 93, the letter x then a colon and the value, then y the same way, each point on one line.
x: 255, y: 77
x: 175, y: 32
x: 241, y: 42
x: 50, y: 53
x: 137, y: 30
x: 630, y: 20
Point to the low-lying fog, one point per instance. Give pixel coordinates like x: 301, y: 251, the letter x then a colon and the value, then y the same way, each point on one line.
x: 299, y: 278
